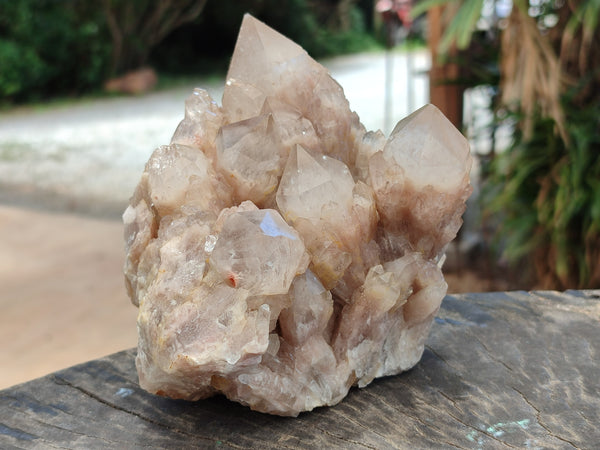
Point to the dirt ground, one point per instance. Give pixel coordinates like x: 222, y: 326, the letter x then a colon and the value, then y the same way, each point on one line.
x: 62, y: 295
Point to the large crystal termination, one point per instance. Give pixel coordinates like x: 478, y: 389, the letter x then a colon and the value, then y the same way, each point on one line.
x: 279, y: 253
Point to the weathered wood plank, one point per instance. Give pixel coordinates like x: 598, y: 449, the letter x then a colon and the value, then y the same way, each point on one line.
x: 500, y: 370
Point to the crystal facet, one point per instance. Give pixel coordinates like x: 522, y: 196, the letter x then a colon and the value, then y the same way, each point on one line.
x: 278, y: 252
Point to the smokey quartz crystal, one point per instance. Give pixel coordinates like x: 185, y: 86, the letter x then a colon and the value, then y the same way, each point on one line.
x: 278, y: 252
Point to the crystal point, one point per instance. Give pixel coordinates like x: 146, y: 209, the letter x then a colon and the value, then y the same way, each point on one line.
x: 430, y: 150
x: 280, y: 254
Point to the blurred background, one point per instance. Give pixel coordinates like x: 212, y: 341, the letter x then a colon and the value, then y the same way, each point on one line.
x: 89, y: 89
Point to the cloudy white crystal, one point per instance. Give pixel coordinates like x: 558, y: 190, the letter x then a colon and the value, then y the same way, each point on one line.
x: 278, y: 252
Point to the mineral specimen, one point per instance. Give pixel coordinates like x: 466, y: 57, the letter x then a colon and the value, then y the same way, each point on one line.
x: 279, y: 253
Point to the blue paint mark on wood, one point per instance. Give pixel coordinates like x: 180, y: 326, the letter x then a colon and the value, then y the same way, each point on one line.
x: 124, y: 392
x: 498, y: 429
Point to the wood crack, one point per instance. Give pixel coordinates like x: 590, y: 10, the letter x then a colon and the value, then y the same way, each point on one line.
x: 342, y: 438
x: 441, y: 358
x: 61, y: 381
x: 422, y: 422
x: 357, y: 423
x: 450, y: 399
x: 540, y: 422
x: 404, y: 413
x: 78, y: 433
x: 490, y: 353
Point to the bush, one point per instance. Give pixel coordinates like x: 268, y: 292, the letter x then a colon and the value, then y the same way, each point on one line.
x: 312, y: 31
x: 63, y: 47
x: 51, y: 47
x: 545, y: 195
x: 21, y: 68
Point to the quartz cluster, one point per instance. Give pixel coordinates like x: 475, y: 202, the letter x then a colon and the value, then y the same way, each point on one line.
x: 278, y: 252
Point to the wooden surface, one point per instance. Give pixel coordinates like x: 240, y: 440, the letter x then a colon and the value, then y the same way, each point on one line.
x: 500, y: 370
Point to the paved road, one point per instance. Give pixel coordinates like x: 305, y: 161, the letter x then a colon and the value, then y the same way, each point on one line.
x: 88, y: 156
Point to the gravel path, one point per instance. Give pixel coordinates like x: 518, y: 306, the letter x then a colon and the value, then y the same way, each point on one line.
x: 87, y: 157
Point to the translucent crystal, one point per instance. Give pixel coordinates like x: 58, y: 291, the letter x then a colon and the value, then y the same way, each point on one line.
x: 202, y: 121
x: 258, y: 67
x: 279, y: 253
x: 259, y: 252
x: 421, y: 182
x: 314, y: 188
x: 430, y: 151
x: 249, y: 156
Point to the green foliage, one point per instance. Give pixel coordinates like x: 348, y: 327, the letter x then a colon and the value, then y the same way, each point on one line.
x: 50, y: 47
x: 310, y: 24
x: 322, y: 41
x: 546, y: 196
x: 21, y: 68
x: 53, y: 48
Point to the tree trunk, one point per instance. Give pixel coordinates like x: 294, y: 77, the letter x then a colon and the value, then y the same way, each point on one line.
x: 447, y: 97
x: 136, y: 27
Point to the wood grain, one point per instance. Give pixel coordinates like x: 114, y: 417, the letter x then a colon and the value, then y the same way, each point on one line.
x: 501, y: 370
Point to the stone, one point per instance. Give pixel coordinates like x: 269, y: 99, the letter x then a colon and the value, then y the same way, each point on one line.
x: 278, y: 252
x: 135, y: 82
